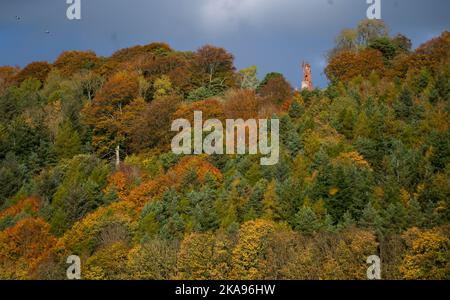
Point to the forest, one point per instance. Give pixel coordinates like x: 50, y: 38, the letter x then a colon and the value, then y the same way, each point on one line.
x: 86, y: 166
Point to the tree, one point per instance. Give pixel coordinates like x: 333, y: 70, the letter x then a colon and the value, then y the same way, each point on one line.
x: 109, y: 263
x: 162, y: 87
x: 105, y: 111
x: 210, y: 63
x: 369, y: 30
x: 204, y: 257
x: 296, y: 109
x: 241, y: 104
x: 71, y: 62
x: 427, y: 257
x: 153, y: 260
x: 22, y: 245
x: 270, y: 202
x: 347, y: 65
x: 345, y: 41
x: 7, y: 74
x: 385, y: 45
x: 214, y: 88
x: 12, y: 174
x: 37, y: 70
x: 250, y: 250
x: 67, y: 143
x: 248, y: 78
x: 276, y: 90
x: 402, y: 43
x: 306, y: 220
x: 79, y: 192
x: 404, y: 107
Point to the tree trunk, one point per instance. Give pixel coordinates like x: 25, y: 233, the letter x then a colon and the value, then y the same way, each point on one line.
x: 117, y: 156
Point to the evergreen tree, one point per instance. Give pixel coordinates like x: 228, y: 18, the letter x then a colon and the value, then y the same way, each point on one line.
x: 67, y: 143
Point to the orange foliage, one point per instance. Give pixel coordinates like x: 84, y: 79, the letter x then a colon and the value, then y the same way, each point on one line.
x: 83, y: 237
x: 433, y: 53
x: 31, y: 204
x: 21, y: 247
x: 38, y: 70
x: 174, y: 178
x: 241, y: 104
x: 212, y: 109
x: 276, y: 91
x: 177, y: 173
x: 133, y: 58
x: 105, y: 111
x: 212, y: 62
x: 7, y: 74
x: 148, y: 190
x: 70, y: 62
x: 119, y: 182
x: 121, y: 87
x: 286, y: 105
x: 349, y: 64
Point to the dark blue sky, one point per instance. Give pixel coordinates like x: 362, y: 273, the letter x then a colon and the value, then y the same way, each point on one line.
x: 274, y: 35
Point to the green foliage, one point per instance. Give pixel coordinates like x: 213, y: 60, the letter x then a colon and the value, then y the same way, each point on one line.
x: 67, y: 143
x: 385, y: 46
x: 249, y: 78
x: 364, y: 166
x: 80, y: 192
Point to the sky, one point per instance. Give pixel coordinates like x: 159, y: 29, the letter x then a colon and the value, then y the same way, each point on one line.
x: 274, y: 35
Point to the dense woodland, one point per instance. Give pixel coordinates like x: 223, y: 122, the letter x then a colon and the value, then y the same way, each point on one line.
x: 364, y: 166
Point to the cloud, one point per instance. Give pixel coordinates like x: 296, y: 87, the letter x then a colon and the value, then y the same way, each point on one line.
x: 275, y: 35
x: 230, y: 16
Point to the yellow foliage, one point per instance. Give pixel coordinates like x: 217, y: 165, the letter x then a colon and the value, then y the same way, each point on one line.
x: 21, y: 247
x: 333, y: 191
x: 247, y: 257
x: 204, y: 257
x: 428, y: 256
x: 353, y: 158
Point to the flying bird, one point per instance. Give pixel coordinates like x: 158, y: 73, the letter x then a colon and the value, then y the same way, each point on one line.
x: 18, y: 18
x: 47, y: 32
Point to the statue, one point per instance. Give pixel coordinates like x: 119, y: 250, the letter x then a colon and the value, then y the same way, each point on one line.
x: 307, y: 77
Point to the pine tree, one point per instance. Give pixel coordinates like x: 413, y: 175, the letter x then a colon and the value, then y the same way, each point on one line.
x: 306, y: 220
x: 270, y: 202
x: 67, y: 143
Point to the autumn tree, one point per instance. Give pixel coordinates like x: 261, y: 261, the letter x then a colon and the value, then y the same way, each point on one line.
x: 241, y: 104
x: 276, y: 90
x: 22, y: 246
x: 248, y: 78
x: 106, y: 110
x: 247, y: 257
x: 347, y: 65
x: 204, y: 257
x: 154, y: 259
x: 211, y: 63
x: 427, y: 255
x: 38, y: 70
x: 71, y: 62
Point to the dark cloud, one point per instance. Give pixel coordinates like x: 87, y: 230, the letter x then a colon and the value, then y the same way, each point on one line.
x: 275, y: 35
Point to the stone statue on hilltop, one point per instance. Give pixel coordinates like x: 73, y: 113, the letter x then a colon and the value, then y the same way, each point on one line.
x: 307, y: 77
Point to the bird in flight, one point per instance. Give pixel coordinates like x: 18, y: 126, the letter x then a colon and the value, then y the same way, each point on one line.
x: 18, y: 18
x: 47, y: 31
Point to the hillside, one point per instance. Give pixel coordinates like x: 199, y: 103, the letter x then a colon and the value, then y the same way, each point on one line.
x: 86, y: 166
